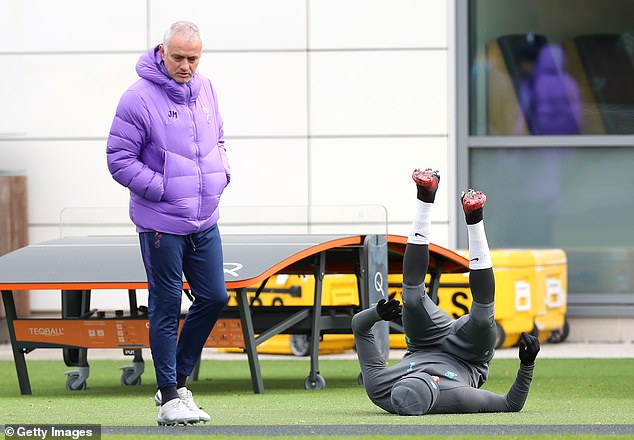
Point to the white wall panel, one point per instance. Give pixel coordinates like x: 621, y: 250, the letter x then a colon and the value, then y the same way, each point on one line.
x: 267, y: 172
x: 71, y: 25
x: 63, y: 95
x: 260, y: 94
x: 236, y: 24
x: 63, y: 174
x: 376, y: 172
x: 377, y: 100
x: 378, y: 23
x: 396, y: 92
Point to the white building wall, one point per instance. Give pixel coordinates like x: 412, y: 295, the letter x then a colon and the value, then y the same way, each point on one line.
x: 325, y: 102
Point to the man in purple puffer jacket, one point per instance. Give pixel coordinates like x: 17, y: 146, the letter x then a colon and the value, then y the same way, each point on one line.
x: 550, y: 99
x: 166, y: 145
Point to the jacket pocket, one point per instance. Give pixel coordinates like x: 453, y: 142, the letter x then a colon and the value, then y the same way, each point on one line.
x: 165, y: 177
x: 225, y: 164
x: 181, y: 178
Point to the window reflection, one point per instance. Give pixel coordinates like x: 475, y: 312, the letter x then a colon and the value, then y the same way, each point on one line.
x: 548, y: 95
x: 535, y: 71
x: 576, y: 199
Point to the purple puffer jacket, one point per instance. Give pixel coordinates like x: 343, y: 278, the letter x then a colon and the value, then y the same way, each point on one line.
x: 166, y: 145
x: 551, y: 100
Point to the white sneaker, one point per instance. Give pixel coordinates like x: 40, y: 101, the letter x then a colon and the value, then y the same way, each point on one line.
x: 175, y: 412
x: 187, y: 398
x: 157, y: 398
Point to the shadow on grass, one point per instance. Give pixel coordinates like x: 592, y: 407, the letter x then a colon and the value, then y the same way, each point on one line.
x: 563, y: 391
x: 585, y: 379
x: 218, y: 377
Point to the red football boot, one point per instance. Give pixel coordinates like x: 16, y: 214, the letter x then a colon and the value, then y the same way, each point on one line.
x: 428, y: 179
x: 472, y: 200
x: 426, y: 184
x: 472, y: 203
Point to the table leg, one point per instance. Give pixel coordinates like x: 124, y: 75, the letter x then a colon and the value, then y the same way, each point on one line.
x: 249, y: 340
x: 315, y: 381
x: 18, y: 353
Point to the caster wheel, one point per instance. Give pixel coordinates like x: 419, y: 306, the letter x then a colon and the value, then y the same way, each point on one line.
x: 300, y: 345
x: 73, y: 385
x: 559, y: 336
x: 318, y: 384
x: 128, y: 378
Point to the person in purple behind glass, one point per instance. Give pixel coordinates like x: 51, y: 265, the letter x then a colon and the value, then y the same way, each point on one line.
x: 550, y: 98
x: 166, y: 145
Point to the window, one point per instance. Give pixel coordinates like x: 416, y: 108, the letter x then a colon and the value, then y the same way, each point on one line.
x: 549, y: 135
x: 575, y: 199
x: 555, y: 67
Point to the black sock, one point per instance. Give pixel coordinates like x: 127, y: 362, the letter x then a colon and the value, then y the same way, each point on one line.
x: 425, y: 195
x: 168, y: 393
x: 181, y: 380
x: 473, y: 217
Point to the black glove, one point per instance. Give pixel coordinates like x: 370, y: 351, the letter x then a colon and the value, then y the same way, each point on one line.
x: 388, y: 310
x: 529, y: 347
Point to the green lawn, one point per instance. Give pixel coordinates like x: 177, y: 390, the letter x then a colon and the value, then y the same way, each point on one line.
x: 564, y: 391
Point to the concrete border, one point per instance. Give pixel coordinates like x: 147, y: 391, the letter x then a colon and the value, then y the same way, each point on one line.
x: 360, y: 430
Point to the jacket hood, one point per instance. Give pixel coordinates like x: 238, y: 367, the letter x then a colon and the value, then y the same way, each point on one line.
x: 551, y: 59
x: 151, y: 68
x: 414, y: 395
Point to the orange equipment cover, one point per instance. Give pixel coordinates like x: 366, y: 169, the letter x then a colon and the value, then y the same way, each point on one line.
x: 112, y: 333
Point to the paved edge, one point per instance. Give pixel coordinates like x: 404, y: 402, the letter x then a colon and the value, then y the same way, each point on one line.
x: 364, y: 430
x: 359, y: 430
x: 566, y: 350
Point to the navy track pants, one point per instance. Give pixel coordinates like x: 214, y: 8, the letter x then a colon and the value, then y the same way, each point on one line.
x: 166, y: 258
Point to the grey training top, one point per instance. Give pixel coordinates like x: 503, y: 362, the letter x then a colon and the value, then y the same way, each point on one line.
x: 459, y: 380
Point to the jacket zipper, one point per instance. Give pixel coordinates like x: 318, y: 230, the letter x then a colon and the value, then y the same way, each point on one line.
x: 190, y: 104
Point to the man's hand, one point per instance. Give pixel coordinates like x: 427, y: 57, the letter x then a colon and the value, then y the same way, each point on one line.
x: 388, y: 310
x: 529, y: 347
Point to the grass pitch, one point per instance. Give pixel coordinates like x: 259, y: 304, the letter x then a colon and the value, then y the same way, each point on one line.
x: 564, y: 391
